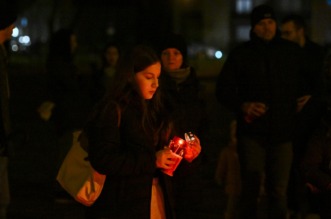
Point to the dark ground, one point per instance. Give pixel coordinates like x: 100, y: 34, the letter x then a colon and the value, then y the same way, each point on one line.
x: 35, y: 154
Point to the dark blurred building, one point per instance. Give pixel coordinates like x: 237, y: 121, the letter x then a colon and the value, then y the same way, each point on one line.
x: 224, y: 23
x: 209, y: 26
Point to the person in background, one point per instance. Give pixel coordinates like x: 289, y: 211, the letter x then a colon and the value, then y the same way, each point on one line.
x: 7, y: 20
x: 227, y: 173
x: 315, y: 166
x: 71, y: 100
x: 104, y: 77
x: 182, y: 93
x: 293, y: 28
x: 133, y: 154
x: 261, y: 83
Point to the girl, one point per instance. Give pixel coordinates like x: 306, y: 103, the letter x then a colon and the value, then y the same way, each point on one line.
x: 133, y: 153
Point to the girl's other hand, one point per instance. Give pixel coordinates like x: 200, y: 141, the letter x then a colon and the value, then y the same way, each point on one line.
x: 165, y: 158
x: 192, y: 150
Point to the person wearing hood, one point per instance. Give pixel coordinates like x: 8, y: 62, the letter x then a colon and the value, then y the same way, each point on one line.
x: 182, y: 95
x: 261, y: 82
x: 7, y: 20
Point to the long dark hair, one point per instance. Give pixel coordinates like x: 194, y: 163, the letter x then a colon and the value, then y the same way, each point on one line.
x: 125, y: 91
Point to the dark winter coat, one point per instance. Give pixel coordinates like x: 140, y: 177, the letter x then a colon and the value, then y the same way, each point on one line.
x: 187, y: 109
x: 184, y: 103
x: 126, y: 154
x: 315, y: 55
x: 310, y: 116
x: 257, y: 71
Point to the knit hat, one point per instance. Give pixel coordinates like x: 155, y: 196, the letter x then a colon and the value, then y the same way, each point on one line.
x: 261, y: 12
x: 174, y: 40
x: 7, y: 15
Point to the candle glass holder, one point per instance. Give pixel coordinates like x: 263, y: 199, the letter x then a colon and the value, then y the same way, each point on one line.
x: 177, y: 146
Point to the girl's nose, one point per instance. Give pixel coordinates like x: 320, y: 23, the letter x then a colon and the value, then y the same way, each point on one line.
x: 156, y: 83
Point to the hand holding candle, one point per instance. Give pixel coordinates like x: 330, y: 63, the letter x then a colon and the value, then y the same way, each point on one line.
x: 193, y: 147
x: 169, y: 158
x: 176, y: 148
x: 165, y: 158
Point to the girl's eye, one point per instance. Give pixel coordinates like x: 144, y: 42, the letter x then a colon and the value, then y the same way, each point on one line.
x: 148, y: 76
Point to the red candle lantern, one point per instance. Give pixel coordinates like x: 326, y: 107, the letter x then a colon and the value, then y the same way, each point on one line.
x: 176, y: 146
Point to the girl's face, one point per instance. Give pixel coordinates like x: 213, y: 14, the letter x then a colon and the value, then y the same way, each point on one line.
x: 148, y: 80
x: 172, y: 59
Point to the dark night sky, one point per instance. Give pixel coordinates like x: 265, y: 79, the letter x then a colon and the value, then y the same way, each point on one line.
x: 133, y: 20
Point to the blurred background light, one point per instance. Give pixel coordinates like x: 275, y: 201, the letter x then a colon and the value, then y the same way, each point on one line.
x: 24, y: 22
x: 14, y: 47
x: 15, y: 32
x: 218, y: 54
x: 25, y: 40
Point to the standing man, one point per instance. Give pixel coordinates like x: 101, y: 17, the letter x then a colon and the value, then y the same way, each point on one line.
x: 293, y: 28
x: 260, y: 82
x: 7, y: 19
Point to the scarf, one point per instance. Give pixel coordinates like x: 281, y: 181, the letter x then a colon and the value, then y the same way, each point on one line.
x: 179, y: 75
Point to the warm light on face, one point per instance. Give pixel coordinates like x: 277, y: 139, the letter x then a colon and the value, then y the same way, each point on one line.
x: 148, y: 80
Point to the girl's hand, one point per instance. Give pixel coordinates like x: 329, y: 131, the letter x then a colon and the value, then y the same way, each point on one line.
x: 165, y: 159
x: 192, y: 150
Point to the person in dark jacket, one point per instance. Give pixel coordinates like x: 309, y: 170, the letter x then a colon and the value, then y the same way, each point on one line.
x: 261, y: 83
x: 71, y: 101
x: 182, y: 92
x: 316, y: 162
x: 316, y: 167
x: 7, y: 19
x: 133, y: 155
x: 293, y: 27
